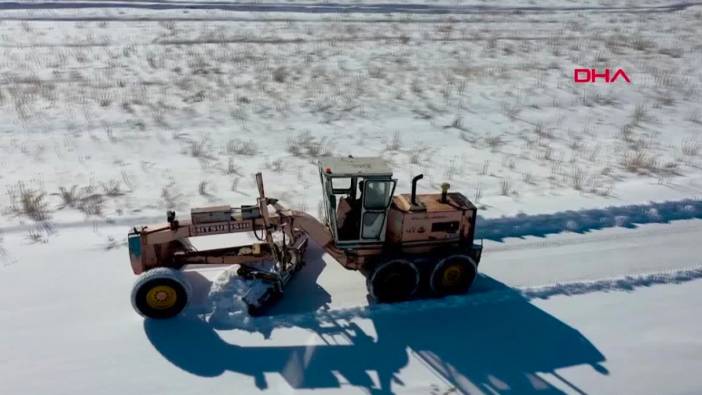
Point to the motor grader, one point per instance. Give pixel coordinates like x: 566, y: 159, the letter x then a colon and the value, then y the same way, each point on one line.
x: 407, y: 245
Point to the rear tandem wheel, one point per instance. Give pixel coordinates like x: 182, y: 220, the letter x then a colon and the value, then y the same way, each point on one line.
x: 453, y: 275
x: 393, y: 281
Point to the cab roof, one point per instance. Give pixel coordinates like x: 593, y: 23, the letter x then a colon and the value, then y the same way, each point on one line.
x: 350, y: 167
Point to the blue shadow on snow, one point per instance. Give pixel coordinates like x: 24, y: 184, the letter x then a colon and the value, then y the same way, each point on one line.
x: 498, y: 346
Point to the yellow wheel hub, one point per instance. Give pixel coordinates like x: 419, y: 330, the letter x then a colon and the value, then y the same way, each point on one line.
x: 161, y: 297
x: 452, y: 276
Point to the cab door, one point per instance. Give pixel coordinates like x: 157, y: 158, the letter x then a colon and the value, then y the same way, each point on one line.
x: 377, y: 196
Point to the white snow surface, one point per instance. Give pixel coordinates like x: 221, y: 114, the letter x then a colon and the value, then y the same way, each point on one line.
x: 589, y: 196
x: 609, y: 326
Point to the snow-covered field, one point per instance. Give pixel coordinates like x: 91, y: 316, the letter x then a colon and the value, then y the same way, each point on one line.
x: 122, y: 111
x: 113, y: 112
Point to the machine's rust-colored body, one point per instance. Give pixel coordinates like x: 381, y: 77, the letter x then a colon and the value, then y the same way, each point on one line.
x: 168, y: 244
x: 402, y: 243
x: 449, y: 221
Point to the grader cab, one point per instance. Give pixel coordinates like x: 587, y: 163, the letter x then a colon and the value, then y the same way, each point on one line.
x: 406, y: 245
x: 357, y: 194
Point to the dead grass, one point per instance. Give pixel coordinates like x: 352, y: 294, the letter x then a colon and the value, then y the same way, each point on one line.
x: 87, y: 199
x: 202, y: 189
x: 451, y: 170
x: 242, y: 147
x: 38, y: 234
x: 112, y: 243
x: 639, y: 115
x: 641, y: 43
x: 577, y: 176
x: 276, y: 166
x: 32, y: 203
x: 485, y: 168
x: 92, y: 203
x: 506, y: 186
x: 529, y: 178
x: 3, y: 251
x: 494, y: 142
x: 200, y: 149
x: 306, y: 145
x: 395, y: 144
x: 691, y: 146
x: 639, y: 161
x: 69, y: 196
x: 280, y: 74
x: 477, y: 194
x: 417, y: 154
x: 259, y: 85
x: 112, y: 188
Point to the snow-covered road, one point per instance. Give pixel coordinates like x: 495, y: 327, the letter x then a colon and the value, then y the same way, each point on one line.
x: 68, y: 327
x: 614, y: 251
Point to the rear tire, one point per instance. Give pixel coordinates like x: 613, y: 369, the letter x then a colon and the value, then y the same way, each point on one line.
x: 160, y: 293
x: 393, y: 281
x: 453, y: 275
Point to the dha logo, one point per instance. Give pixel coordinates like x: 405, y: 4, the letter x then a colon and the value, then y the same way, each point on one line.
x: 590, y: 76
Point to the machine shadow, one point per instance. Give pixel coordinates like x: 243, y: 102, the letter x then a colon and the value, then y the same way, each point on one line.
x: 497, y: 344
x: 303, y: 293
x: 582, y: 221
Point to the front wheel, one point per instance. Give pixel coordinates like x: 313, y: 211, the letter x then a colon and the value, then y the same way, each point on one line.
x: 453, y: 275
x: 160, y: 293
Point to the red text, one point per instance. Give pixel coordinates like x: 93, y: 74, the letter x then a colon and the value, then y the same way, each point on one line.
x: 590, y: 76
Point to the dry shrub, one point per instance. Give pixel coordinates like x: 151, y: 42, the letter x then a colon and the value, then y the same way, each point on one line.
x: 28, y: 202
x: 639, y: 161
x: 306, y: 145
x: 242, y: 147
x: 691, y: 147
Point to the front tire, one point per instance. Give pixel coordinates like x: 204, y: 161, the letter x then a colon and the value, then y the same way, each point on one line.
x: 160, y: 293
x: 453, y: 275
x: 393, y: 281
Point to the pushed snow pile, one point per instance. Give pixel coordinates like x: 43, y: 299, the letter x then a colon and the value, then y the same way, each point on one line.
x: 226, y: 299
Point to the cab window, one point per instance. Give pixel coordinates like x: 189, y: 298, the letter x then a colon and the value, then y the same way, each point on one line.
x: 341, y: 184
x: 377, y: 194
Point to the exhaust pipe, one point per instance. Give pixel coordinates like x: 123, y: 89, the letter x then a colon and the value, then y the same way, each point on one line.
x: 414, y: 188
x: 444, y: 191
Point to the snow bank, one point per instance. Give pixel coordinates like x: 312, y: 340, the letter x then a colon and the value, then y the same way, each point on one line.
x: 226, y: 300
x: 627, y: 283
x: 586, y: 220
